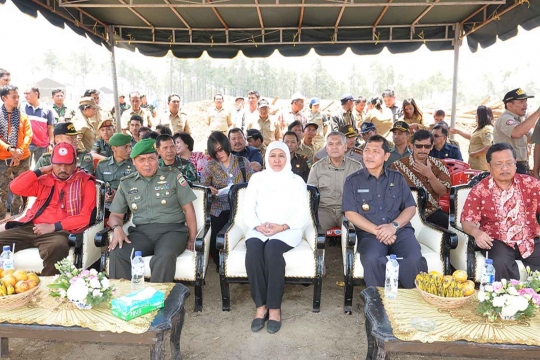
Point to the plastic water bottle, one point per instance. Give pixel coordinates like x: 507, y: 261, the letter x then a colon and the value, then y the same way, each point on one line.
x: 7, y: 258
x: 392, y: 277
x: 488, y: 274
x: 137, y: 272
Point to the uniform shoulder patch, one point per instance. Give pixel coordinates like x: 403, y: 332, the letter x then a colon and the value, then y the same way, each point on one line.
x: 181, y: 180
x: 102, y: 160
x: 511, y: 122
x: 128, y: 176
x: 87, y: 158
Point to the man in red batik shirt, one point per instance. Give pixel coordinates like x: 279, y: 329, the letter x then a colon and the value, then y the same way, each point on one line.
x: 65, y: 201
x: 500, y: 212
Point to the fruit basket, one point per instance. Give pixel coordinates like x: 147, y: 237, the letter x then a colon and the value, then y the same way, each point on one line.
x: 9, y: 302
x: 443, y: 302
x: 17, y: 287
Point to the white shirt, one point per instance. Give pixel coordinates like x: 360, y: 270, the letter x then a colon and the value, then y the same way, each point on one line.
x: 283, y: 203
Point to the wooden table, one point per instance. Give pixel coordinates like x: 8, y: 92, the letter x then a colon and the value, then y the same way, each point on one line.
x: 169, y: 318
x: 381, y: 340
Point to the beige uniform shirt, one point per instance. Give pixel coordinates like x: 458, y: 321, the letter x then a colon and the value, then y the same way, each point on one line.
x: 479, y: 140
x: 330, y: 179
x: 219, y: 120
x: 308, y: 150
x: 176, y: 122
x: 87, y: 131
x: 502, y: 132
x: 268, y: 127
x: 145, y: 114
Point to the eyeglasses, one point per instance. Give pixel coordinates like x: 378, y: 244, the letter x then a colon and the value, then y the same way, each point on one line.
x: 425, y: 146
x: 437, y: 136
x: 500, y: 165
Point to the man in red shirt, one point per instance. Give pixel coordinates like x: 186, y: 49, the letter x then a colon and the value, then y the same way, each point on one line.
x: 500, y: 212
x: 65, y: 201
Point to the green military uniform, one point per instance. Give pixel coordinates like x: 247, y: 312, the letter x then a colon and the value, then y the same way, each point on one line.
x: 62, y: 114
x: 156, y: 205
x: 300, y: 166
x: 186, y: 167
x: 84, y: 161
x: 110, y: 172
x: 102, y: 148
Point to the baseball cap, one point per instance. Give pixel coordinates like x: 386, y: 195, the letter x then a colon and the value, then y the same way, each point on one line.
x: 63, y: 153
x: 311, y: 124
x: 347, y: 97
x: 239, y: 97
x: 348, y: 131
x: 297, y: 96
x: 65, y: 128
x: 315, y: 101
x: 253, y: 133
x: 516, y: 94
x: 88, y: 100
x: 264, y: 103
x: 367, y: 127
x: 401, y: 125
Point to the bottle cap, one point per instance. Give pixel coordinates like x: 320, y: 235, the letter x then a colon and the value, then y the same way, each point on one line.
x: 138, y: 253
x: 393, y: 257
x: 6, y: 248
x: 489, y: 261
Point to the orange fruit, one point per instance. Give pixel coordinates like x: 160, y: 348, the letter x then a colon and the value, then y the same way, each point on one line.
x: 33, y: 276
x: 20, y: 275
x: 9, y: 279
x: 21, y: 286
x: 8, y: 272
x: 32, y: 283
x: 460, y: 276
x: 468, y: 288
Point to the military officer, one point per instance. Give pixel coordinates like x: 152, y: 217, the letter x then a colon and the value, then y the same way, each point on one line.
x: 65, y: 132
x: 513, y: 128
x: 160, y: 200
x: 300, y: 164
x: 110, y: 170
x: 85, y: 123
x: 167, y: 151
x: 101, y: 148
x: 175, y: 118
x: 352, y: 151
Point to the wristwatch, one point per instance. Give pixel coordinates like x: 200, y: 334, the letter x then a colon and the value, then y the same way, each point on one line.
x: 114, y: 227
x: 395, y: 225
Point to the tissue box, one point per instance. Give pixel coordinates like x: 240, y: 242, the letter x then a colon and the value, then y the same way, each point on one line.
x: 138, y: 303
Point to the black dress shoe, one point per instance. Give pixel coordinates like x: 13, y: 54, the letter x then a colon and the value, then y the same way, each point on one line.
x: 273, y: 326
x: 258, y: 323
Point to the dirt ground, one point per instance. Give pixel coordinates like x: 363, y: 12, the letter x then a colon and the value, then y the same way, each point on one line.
x: 215, y: 334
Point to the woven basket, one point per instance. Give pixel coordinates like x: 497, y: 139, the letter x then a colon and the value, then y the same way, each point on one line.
x: 17, y: 300
x: 443, y: 302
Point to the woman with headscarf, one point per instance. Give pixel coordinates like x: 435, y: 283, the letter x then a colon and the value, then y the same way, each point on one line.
x: 276, y: 209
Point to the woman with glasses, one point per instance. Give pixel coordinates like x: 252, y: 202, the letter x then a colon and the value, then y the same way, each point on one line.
x: 412, y: 115
x: 381, y: 117
x: 481, y: 138
x: 276, y: 209
x: 222, y: 171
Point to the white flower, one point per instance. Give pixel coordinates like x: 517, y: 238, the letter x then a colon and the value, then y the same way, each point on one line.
x: 520, y: 303
x: 508, y: 311
x: 499, y: 301
x: 488, y: 288
x: 63, y: 293
x: 481, y: 296
x: 512, y: 290
x: 78, y: 291
x: 93, y: 272
x: 95, y: 283
x: 105, y: 283
x: 96, y: 293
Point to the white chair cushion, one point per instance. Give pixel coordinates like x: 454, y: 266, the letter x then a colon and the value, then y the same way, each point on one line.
x: 300, y: 261
x: 185, y: 266
x: 481, y: 261
x: 29, y: 259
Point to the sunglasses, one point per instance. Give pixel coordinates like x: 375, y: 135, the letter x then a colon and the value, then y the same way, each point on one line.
x: 425, y: 146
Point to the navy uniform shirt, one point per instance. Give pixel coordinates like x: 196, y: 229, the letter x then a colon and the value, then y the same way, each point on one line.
x: 251, y: 153
x: 448, y: 151
x: 300, y: 166
x: 378, y: 200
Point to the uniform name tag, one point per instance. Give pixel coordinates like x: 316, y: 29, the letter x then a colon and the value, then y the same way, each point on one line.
x: 107, y: 173
x: 363, y: 190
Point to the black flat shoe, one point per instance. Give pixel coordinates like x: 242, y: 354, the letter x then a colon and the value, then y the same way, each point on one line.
x: 258, y: 323
x: 273, y: 326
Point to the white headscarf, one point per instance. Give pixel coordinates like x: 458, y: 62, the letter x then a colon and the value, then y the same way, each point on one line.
x: 286, y: 172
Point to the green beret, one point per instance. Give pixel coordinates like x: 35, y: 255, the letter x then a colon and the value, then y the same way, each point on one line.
x: 142, y: 147
x: 119, y: 139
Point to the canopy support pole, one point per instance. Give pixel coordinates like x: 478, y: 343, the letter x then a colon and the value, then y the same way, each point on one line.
x: 457, y: 31
x: 110, y: 30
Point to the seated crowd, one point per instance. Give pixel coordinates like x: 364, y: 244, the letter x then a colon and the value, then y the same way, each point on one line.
x: 149, y: 164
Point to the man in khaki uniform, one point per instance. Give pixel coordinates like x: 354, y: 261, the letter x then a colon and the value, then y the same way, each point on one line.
x: 319, y: 120
x: 85, y: 124
x: 255, y: 139
x: 512, y: 127
x: 218, y: 119
x: 269, y: 128
x: 359, y: 114
x: 160, y: 200
x: 136, y: 109
x: 65, y: 132
x: 328, y: 175
x: 175, y: 118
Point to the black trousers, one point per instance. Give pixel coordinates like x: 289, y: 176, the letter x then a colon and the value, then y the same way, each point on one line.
x: 373, y: 258
x: 504, y: 259
x: 265, y: 268
x: 216, y: 224
x: 439, y: 217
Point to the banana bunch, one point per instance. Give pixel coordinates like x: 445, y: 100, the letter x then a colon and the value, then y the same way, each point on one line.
x: 6, y: 289
x: 445, y: 286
